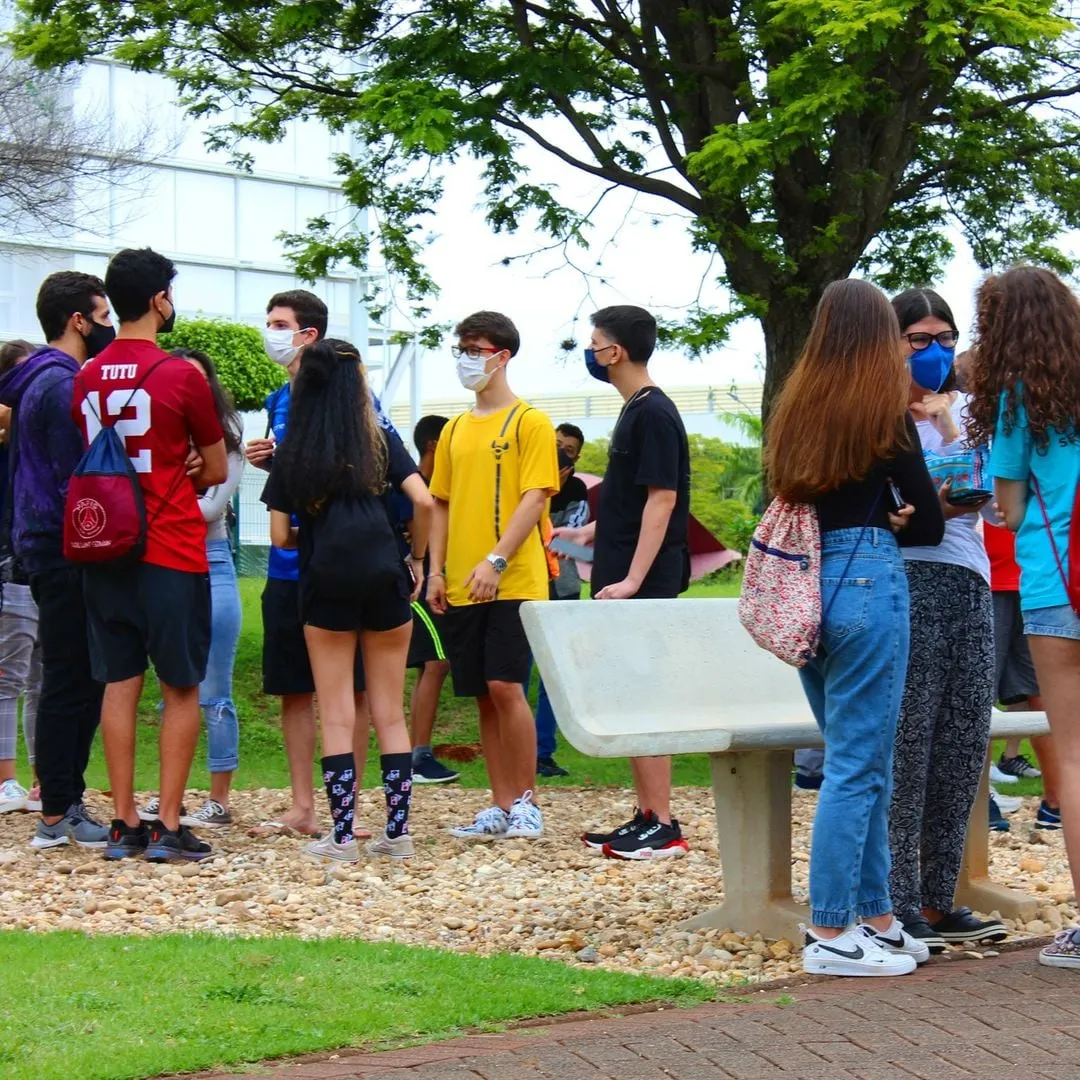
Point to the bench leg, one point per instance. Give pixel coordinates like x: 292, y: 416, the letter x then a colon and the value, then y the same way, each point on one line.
x: 975, y: 889
x: 753, y: 823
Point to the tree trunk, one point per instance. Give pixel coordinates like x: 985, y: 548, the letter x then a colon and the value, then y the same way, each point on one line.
x: 785, y: 326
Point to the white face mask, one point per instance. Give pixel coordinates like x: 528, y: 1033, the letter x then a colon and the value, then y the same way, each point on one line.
x: 471, y: 372
x: 279, y: 346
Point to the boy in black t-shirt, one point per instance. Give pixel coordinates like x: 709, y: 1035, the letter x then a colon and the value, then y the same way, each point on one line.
x: 639, y: 536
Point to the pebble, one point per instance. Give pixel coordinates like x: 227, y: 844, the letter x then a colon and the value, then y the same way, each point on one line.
x: 553, y: 898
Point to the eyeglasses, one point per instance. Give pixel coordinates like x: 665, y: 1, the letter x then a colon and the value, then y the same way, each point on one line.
x: 473, y: 352
x: 947, y: 339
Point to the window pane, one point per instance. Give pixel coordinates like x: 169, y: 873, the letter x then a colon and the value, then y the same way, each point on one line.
x: 21, y: 272
x: 205, y: 215
x: 205, y: 291
x: 148, y: 216
x: 254, y: 289
x: 265, y: 210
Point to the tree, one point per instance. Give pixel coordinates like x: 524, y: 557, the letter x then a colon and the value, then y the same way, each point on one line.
x: 803, y: 140
x: 238, y: 354
x: 47, y: 150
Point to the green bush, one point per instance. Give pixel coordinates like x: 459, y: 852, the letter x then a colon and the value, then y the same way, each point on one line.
x: 237, y: 351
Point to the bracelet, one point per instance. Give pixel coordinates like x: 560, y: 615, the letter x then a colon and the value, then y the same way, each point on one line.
x: 443, y: 576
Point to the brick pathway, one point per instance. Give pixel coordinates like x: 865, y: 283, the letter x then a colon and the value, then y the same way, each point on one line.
x: 953, y: 1020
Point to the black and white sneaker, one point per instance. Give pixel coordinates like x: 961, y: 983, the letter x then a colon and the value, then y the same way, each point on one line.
x: 897, y: 940
x: 854, y: 952
x: 211, y: 816
x: 180, y: 846
x: 597, y: 840
x: 920, y: 930
x: 152, y: 810
x: 652, y: 839
x: 961, y: 926
x: 427, y: 769
x: 1019, y: 766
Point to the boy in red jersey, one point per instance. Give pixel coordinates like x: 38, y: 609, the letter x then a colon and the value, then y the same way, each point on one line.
x: 158, y: 608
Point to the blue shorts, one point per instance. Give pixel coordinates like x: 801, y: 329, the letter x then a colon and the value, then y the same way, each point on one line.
x: 1060, y: 622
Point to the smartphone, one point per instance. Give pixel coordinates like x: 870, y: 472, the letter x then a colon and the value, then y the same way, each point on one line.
x: 896, y: 496
x: 572, y: 551
x: 968, y: 497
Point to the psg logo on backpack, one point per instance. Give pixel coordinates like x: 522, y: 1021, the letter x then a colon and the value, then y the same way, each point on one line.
x: 104, y: 515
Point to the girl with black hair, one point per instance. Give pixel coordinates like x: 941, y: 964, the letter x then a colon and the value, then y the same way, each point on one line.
x: 944, y: 727
x: 332, y: 470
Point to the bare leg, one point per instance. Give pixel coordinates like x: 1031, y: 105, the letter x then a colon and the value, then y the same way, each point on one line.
x: 361, y: 736
x: 7, y: 770
x: 1012, y: 747
x: 298, y: 728
x: 385, y: 654
x: 491, y: 743
x: 425, y: 700
x: 652, y: 782
x: 220, y: 784
x: 118, y: 709
x: 517, y: 742
x: 332, y: 655
x: 177, y: 740
x: 1057, y: 663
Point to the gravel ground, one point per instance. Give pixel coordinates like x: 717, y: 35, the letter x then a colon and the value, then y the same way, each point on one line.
x: 553, y: 896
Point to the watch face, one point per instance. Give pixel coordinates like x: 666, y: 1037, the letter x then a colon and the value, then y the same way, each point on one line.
x: 498, y: 562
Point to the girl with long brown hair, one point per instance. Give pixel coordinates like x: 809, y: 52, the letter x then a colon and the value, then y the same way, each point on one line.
x: 840, y: 438
x: 1026, y: 387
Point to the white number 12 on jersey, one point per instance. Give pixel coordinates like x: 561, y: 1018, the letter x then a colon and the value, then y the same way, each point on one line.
x: 130, y: 428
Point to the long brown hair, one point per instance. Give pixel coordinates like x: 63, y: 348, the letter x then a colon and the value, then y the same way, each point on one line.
x: 843, y: 406
x: 1027, y: 331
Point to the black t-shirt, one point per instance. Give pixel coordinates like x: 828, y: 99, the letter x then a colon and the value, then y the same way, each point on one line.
x: 400, y: 466
x: 573, y: 491
x: 648, y: 449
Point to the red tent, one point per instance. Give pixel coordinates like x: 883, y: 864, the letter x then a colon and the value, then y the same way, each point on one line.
x: 706, y: 552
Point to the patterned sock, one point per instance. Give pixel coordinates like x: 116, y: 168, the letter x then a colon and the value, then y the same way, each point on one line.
x: 397, y: 783
x: 339, y: 776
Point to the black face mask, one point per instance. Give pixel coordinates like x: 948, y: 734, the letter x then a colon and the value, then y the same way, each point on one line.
x: 168, y: 325
x: 97, y: 339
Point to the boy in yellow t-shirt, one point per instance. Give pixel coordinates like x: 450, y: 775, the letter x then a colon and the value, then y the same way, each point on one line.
x: 495, y: 469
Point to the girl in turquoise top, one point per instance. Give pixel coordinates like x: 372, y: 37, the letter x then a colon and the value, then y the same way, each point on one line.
x: 1026, y: 386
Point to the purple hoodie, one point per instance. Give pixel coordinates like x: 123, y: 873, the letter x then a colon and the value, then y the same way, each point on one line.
x: 49, y: 446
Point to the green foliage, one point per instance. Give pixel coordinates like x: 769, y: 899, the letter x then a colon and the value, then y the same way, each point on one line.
x: 237, y: 351
x: 803, y: 140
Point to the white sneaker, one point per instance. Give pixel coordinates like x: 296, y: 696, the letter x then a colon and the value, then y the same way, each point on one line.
x: 897, y: 940
x: 1007, y: 804
x: 326, y: 848
x: 999, y: 777
x: 150, y: 811
x: 397, y: 847
x: 489, y: 824
x: 855, y: 952
x: 525, y: 820
x: 12, y: 796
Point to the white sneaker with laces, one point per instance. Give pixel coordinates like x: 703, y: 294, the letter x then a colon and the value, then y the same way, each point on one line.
x: 525, y: 820
x: 1007, y: 804
x: 855, y: 952
x: 897, y: 940
x: 490, y: 824
x: 211, y: 816
x: 396, y: 847
x: 150, y: 811
x: 326, y: 848
x: 12, y: 797
x: 999, y: 777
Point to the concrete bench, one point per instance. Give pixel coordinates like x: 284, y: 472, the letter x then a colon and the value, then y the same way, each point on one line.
x: 641, y: 677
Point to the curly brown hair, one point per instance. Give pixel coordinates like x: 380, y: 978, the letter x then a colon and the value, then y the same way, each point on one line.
x: 1027, y: 345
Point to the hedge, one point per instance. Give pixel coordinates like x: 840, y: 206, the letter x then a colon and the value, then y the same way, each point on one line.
x: 237, y: 351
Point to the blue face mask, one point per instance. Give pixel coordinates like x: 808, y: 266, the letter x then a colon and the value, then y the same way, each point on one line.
x: 930, y: 367
x: 596, y: 369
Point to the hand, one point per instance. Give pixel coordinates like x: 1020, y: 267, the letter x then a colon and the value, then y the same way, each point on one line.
x: 619, y: 590
x: 259, y: 451
x: 899, y: 520
x: 951, y: 510
x: 483, y: 582
x: 578, y: 535
x: 937, y: 408
x: 193, y: 464
x: 436, y: 594
x: 999, y: 516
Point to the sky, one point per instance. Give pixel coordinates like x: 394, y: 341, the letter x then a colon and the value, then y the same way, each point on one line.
x: 640, y: 254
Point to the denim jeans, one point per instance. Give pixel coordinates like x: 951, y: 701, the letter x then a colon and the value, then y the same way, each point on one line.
x: 854, y: 685
x: 215, y: 692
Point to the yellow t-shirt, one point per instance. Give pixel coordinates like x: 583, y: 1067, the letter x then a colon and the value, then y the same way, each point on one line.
x: 483, y: 465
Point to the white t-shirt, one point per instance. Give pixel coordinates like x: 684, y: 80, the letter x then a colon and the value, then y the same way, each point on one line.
x: 963, y: 543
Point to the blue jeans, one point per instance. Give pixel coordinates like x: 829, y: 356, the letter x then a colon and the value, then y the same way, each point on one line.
x: 854, y: 686
x: 215, y: 692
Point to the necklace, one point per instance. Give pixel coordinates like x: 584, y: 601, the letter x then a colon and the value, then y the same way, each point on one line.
x: 641, y: 392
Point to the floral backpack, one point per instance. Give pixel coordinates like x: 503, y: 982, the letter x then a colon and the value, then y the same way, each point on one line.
x: 780, y: 603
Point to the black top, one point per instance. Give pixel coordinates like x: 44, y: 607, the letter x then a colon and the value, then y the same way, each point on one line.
x: 850, y: 505
x: 648, y: 449
x: 399, y: 467
x: 573, y: 491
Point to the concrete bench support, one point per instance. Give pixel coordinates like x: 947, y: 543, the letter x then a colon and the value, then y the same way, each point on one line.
x: 752, y: 791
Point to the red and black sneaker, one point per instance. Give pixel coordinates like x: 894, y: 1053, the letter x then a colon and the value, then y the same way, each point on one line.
x: 597, y: 840
x: 652, y: 839
x: 180, y: 846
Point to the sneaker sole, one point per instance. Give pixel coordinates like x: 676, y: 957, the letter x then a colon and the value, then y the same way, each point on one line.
x: 33, y: 806
x: 116, y: 854
x: 675, y: 850
x: 921, y: 957
x: 1059, y: 961
x: 518, y: 834
x: 167, y: 855
x: 198, y: 823
x: 1046, y: 825
x: 483, y: 838
x: 145, y: 815
x: 418, y: 779
x: 595, y: 846
x: 40, y: 843
x: 993, y: 933
x: 853, y: 968
x: 321, y: 856
x: 380, y: 854
x: 12, y: 806
x: 91, y: 845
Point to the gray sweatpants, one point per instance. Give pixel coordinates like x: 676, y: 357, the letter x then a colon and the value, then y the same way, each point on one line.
x: 20, y: 668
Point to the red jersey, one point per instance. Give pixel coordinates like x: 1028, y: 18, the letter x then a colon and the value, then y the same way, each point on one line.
x: 169, y: 412
x: 1001, y: 547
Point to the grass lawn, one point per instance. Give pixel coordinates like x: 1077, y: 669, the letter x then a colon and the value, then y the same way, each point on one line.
x: 262, y: 758
x: 99, y: 1009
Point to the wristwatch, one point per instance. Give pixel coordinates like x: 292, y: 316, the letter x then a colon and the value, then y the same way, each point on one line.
x: 497, y: 562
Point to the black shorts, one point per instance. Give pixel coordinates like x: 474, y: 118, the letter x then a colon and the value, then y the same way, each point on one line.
x: 1014, y: 670
x: 286, y: 669
x: 486, y: 643
x: 428, y: 633
x: 141, y: 612
x: 386, y: 609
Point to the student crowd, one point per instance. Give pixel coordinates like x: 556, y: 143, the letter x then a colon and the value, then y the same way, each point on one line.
x: 380, y: 563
